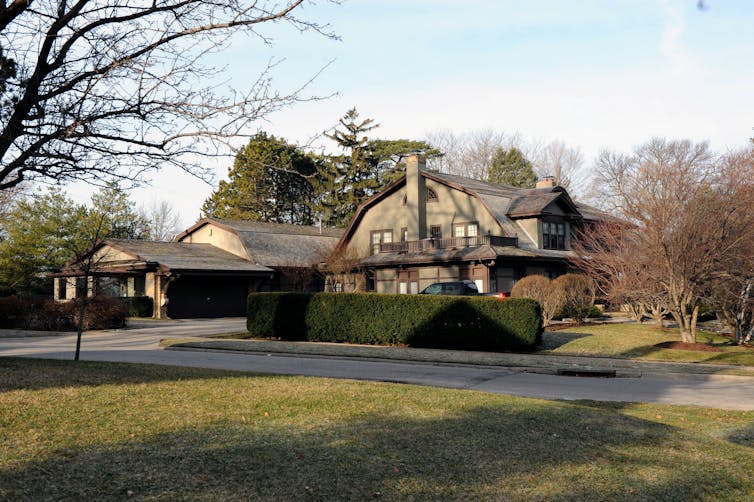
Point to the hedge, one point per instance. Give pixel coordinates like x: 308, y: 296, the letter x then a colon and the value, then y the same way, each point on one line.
x: 448, y: 322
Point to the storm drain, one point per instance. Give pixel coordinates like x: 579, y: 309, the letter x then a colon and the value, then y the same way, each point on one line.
x: 582, y: 372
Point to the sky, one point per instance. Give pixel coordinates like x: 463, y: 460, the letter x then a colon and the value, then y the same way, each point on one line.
x: 607, y: 74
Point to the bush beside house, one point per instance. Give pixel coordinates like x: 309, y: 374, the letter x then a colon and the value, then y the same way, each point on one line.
x: 463, y: 323
x: 44, y: 314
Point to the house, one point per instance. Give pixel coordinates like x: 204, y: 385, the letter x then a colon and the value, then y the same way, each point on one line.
x: 429, y: 227
x: 207, y: 271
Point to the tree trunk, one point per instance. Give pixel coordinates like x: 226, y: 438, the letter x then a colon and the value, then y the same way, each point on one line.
x: 80, y: 326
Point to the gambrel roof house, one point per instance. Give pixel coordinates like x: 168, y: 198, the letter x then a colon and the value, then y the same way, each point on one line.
x: 429, y: 227
x: 426, y: 227
x: 208, y: 270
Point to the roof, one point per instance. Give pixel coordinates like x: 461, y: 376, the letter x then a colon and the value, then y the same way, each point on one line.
x: 506, y: 201
x: 180, y: 256
x: 278, y: 244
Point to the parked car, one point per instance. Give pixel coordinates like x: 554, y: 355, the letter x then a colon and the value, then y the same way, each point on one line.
x: 457, y: 288
x: 497, y: 294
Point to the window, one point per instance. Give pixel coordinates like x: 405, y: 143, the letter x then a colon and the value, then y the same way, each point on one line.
x: 431, y: 195
x: 62, y: 288
x: 140, y: 285
x: 553, y: 235
x: 380, y: 237
x: 404, y: 234
x: 81, y: 287
x: 435, y: 232
x: 466, y: 229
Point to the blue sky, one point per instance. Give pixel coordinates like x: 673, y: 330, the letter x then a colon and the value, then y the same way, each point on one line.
x: 594, y: 74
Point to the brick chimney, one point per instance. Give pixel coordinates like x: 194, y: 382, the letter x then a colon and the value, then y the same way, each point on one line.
x: 546, y: 182
x: 416, y: 197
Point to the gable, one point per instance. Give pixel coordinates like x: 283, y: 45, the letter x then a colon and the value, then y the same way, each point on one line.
x: 210, y: 232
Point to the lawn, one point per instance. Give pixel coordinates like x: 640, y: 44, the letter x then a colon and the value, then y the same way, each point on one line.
x: 107, y: 431
x: 637, y: 341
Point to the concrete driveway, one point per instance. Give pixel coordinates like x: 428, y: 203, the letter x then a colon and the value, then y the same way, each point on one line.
x: 141, y: 345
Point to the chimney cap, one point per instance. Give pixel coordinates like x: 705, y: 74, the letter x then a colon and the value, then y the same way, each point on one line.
x: 546, y: 182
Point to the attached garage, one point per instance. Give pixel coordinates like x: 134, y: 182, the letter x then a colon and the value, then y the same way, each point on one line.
x: 193, y: 296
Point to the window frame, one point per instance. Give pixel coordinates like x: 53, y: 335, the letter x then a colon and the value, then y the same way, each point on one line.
x: 374, y: 246
x: 465, y: 226
x: 554, y: 235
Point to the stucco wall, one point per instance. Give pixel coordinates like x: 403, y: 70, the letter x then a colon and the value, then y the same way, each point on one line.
x: 218, y: 237
x: 452, y: 206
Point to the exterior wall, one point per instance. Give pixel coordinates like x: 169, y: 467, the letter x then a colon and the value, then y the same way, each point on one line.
x: 218, y: 237
x: 387, y: 279
x: 389, y: 213
x: 532, y: 229
x: 453, y: 206
x: 384, y: 280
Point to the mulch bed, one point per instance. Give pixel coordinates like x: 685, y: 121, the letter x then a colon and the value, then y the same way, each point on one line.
x: 700, y: 347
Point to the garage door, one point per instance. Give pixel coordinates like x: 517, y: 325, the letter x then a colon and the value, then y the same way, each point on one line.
x: 192, y: 297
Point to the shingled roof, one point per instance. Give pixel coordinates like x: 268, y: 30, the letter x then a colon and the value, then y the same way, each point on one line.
x: 180, y: 256
x: 278, y: 244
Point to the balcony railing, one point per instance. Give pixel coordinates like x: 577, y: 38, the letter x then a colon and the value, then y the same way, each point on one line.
x: 453, y: 242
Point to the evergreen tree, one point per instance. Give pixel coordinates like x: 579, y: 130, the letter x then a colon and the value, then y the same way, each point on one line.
x: 42, y: 233
x: 112, y: 207
x: 510, y: 167
x: 347, y: 179
x: 362, y: 169
x: 269, y: 181
x: 39, y: 233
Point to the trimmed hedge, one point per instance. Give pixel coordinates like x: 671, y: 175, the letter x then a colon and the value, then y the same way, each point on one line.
x: 447, y: 322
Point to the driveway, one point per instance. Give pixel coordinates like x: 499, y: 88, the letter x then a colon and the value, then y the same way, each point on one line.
x: 141, y: 345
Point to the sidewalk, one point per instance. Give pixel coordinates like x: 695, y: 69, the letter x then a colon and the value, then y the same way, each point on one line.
x: 534, y: 363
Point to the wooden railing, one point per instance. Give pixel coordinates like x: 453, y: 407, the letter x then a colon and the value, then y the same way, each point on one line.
x: 453, y: 242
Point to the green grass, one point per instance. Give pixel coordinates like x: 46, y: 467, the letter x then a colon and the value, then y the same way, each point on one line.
x: 107, y: 431
x: 637, y: 341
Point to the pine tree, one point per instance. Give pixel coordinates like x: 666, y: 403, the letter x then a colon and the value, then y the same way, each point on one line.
x: 269, y: 181
x: 510, y: 167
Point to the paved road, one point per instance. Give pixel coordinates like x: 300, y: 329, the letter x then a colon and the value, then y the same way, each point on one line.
x: 141, y: 345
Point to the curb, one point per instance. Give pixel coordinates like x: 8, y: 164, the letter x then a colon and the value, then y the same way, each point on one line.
x: 533, y: 363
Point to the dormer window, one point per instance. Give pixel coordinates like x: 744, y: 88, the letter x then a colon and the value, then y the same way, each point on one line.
x: 553, y: 235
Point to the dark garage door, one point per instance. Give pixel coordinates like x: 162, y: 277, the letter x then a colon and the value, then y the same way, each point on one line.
x: 198, y: 296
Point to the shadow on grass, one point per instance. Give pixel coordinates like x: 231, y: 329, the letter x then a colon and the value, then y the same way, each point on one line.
x: 31, y: 374
x: 551, y: 340
x: 524, y: 450
x: 743, y: 436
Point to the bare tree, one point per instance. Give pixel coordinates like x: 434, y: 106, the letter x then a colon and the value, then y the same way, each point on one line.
x: 558, y: 160
x: 731, y: 290
x: 163, y: 221
x: 468, y: 154
x: 113, y: 88
x: 687, y: 219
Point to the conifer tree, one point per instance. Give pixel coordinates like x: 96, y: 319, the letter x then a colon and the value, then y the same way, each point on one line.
x: 510, y: 167
x: 269, y: 181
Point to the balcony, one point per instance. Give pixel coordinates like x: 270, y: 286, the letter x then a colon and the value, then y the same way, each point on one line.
x: 453, y: 242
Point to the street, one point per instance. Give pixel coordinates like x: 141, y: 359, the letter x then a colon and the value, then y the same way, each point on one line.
x: 141, y: 345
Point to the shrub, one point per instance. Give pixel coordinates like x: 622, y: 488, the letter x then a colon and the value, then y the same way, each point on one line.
x: 577, y: 291
x: 139, y: 306
x: 45, y: 314
x: 467, y: 323
x: 539, y: 288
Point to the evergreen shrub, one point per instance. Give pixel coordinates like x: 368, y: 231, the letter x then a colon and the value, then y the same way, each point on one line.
x: 447, y: 322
